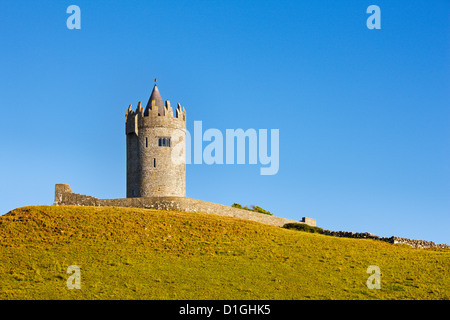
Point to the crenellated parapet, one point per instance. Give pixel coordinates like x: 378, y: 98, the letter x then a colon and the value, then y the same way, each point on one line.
x: 170, y: 118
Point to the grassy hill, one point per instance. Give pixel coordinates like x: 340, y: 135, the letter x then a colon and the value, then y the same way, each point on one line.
x: 151, y: 254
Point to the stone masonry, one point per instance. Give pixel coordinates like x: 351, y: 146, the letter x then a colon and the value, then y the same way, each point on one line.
x: 394, y: 240
x: 65, y: 196
x: 151, y: 171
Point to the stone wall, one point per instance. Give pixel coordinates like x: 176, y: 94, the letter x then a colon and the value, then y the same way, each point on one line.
x: 65, y: 196
x: 394, y: 240
x: 416, y: 243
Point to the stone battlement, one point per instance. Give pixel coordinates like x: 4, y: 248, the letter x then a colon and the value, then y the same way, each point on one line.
x: 154, y: 118
x: 65, y: 196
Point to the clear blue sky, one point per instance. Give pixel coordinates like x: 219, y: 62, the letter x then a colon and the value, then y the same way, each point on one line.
x: 364, y: 115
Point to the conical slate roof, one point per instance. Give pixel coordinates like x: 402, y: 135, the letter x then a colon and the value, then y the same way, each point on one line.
x: 158, y: 102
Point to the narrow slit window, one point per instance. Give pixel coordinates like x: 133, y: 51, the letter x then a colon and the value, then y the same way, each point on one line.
x: 154, y: 162
x: 146, y: 142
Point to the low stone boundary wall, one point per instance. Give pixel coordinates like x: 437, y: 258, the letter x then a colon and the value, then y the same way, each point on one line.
x: 348, y: 234
x: 416, y: 243
x: 65, y: 196
x: 366, y: 235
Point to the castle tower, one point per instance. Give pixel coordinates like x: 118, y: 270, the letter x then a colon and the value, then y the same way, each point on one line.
x: 155, y: 149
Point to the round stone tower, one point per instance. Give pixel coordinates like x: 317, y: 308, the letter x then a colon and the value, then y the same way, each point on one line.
x: 156, y: 149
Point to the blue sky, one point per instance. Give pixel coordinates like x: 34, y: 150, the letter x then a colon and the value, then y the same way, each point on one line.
x: 363, y: 114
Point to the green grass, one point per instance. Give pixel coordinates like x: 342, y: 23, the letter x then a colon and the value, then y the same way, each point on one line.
x: 129, y: 253
x: 303, y: 227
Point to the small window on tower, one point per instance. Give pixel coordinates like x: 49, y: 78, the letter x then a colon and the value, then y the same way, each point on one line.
x: 146, y: 142
x: 154, y: 162
x: 164, y: 142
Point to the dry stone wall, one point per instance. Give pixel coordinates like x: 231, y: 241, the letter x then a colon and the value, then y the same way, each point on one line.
x: 65, y: 196
x: 394, y: 240
x: 416, y: 243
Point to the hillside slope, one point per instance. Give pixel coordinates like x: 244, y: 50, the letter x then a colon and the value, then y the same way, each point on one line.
x: 127, y: 253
